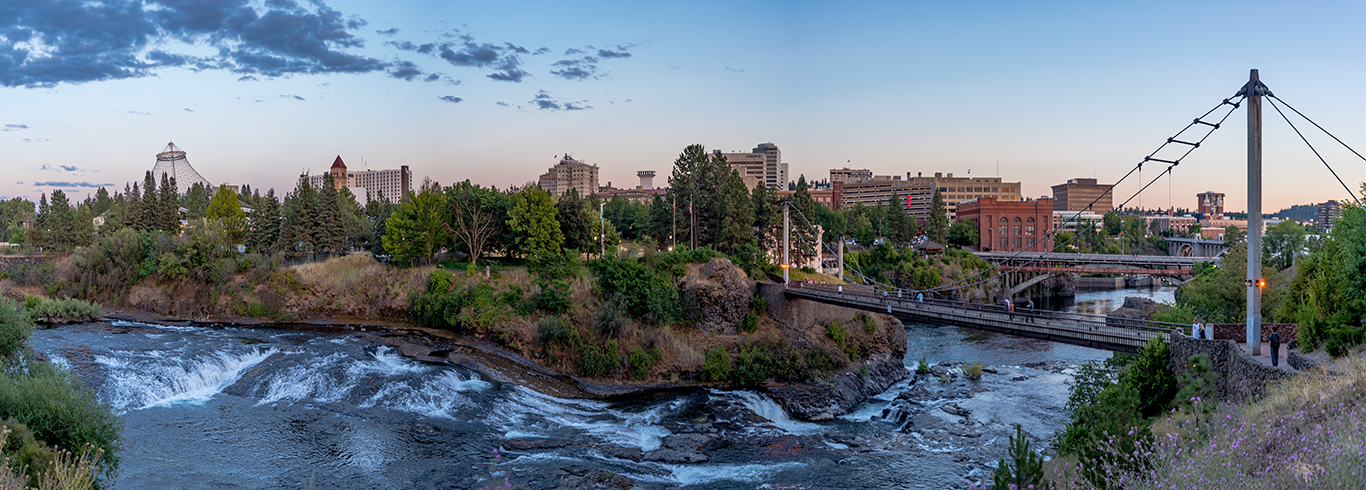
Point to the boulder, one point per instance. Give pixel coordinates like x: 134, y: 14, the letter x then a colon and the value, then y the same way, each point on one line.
x: 720, y: 295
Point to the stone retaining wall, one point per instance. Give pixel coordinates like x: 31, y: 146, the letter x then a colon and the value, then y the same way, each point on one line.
x: 11, y: 263
x: 1240, y: 378
x: 1237, y: 332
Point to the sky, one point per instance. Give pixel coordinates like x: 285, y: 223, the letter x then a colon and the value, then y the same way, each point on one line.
x: 259, y: 92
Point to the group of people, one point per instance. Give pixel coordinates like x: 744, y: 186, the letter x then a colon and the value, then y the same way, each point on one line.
x: 1198, y: 330
x: 1029, y: 307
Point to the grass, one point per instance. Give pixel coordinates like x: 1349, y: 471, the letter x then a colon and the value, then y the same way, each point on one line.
x: 1307, y: 432
x: 973, y: 371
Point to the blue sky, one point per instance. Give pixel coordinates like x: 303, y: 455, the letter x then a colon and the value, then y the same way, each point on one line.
x: 257, y: 92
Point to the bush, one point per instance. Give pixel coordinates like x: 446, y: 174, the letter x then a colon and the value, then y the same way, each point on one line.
x: 610, y: 322
x: 64, y: 311
x: 922, y: 367
x: 717, y: 365
x: 23, y: 451
x: 61, y: 412
x: 646, y: 293
x: 595, y: 361
x: 1151, y: 375
x: 15, y: 328
x: 820, y: 360
x: 554, y: 297
x: 553, y: 330
x: 973, y: 371
x: 837, y: 333
x: 642, y: 360
x: 751, y: 322
x: 752, y: 368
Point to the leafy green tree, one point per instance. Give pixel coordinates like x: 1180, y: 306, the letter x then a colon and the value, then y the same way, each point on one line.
x: 1282, y: 243
x: 533, y: 221
x: 1113, y: 224
x: 225, y: 209
x: 472, y: 214
x: 377, y: 211
x: 416, y: 229
x: 1328, y: 295
x: 964, y: 233
x: 863, y: 231
x: 939, y: 218
x: 661, y: 222
x: 737, y: 218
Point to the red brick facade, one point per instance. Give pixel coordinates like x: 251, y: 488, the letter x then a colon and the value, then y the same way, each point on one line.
x: 1011, y: 226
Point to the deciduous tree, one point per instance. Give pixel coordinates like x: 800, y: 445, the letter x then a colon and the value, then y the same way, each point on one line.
x: 533, y: 222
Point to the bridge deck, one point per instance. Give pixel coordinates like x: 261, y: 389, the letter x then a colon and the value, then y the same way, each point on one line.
x: 1108, y: 259
x: 1096, y: 331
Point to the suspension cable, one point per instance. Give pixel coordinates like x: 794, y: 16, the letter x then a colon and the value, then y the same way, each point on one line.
x: 1316, y: 151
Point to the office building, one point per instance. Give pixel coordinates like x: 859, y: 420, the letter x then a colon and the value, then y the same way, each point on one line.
x: 1010, y: 226
x: 956, y: 190
x: 764, y: 164
x: 571, y: 174
x: 1328, y: 213
x: 1210, y: 204
x: 394, y: 184
x: 847, y: 174
x: 1078, y: 194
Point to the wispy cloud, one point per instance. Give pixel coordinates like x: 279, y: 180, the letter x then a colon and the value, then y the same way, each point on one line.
x: 14, y: 127
x: 451, y: 98
x: 388, y: 32
x: 187, y: 109
x: 291, y: 96
x: 69, y: 185
x: 547, y: 102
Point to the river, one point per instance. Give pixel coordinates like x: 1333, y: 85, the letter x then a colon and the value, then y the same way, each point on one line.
x: 229, y: 407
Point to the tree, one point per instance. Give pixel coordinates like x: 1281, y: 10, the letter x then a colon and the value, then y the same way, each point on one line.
x: 196, y: 201
x: 863, y: 231
x: 416, y: 229
x: 1113, y: 224
x: 939, y: 218
x: 964, y: 233
x: 225, y: 209
x: 168, y: 203
x: 59, y: 227
x: 533, y: 221
x: 1282, y: 243
x: 264, y: 237
x: 330, y: 232
x: 1023, y: 470
x: 472, y: 216
x: 661, y: 222
x: 804, y: 241
x: 767, y: 218
x: 737, y: 217
x: 572, y: 213
x: 696, y: 181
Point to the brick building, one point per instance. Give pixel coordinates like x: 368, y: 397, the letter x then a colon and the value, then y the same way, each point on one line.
x: 1011, y: 226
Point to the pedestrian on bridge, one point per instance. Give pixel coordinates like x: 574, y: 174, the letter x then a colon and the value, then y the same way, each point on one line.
x: 920, y: 299
x: 1029, y: 307
x: 1010, y: 309
x: 1275, y: 340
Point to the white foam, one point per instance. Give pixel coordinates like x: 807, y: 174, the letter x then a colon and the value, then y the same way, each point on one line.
x: 438, y: 396
x: 532, y: 414
x: 695, y: 475
x: 765, y: 407
x: 304, y: 381
x: 151, y: 381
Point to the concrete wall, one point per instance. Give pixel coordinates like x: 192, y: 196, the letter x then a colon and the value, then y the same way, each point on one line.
x: 1240, y: 378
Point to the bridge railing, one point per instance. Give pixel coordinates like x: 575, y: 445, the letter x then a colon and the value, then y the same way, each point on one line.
x: 1021, y: 315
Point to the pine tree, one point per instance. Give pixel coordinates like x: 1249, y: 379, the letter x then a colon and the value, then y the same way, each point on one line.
x: 304, y: 225
x: 768, y: 219
x: 196, y: 201
x: 737, y: 218
x: 39, y: 233
x: 330, y: 232
x: 939, y: 219
x: 802, y: 218
x: 572, y: 212
x: 150, y: 217
x: 61, y: 225
x: 660, y: 223
x: 169, y: 206
x: 132, y: 208
x: 1025, y: 468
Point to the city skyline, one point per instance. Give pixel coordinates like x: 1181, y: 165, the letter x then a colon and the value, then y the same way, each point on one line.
x: 257, y: 93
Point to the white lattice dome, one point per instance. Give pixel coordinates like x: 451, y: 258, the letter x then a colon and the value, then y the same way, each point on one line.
x: 172, y: 161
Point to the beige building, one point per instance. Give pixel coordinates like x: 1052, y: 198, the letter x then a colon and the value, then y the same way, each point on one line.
x: 570, y: 173
x: 1076, y: 194
x: 847, y: 175
x: 956, y: 190
x: 764, y: 164
x: 873, y: 191
x: 394, y: 184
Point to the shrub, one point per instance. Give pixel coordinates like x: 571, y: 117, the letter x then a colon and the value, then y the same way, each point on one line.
x: 554, y: 297
x: 973, y: 371
x: 820, y: 360
x: 610, y: 322
x: 553, y: 330
x: 717, y: 365
x: 22, y: 451
x: 1151, y: 374
x: 869, y: 325
x: 751, y: 323
x: 752, y: 368
x: 837, y: 333
x: 1025, y: 468
x: 61, y: 412
x: 64, y: 310
x: 595, y: 361
x: 646, y: 293
x: 15, y: 328
x: 922, y: 367
x: 642, y: 360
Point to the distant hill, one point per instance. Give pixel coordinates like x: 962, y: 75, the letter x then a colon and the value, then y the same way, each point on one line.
x: 1298, y: 212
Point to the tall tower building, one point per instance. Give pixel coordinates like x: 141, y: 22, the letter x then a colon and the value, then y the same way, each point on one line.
x: 338, y: 173
x: 1077, y: 194
x: 1210, y: 204
x: 570, y: 173
x: 775, y: 171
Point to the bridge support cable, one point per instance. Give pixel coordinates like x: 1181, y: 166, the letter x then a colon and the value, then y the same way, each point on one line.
x: 1311, y: 145
x: 1171, y: 164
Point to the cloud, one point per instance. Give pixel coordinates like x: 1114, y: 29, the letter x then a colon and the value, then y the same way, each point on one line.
x: 516, y: 49
x: 613, y: 54
x: 69, y: 185
x: 136, y: 113
x: 736, y: 70
x: 14, y: 127
x: 452, y: 99
x: 288, y: 96
x: 404, y: 45
x: 388, y: 32
x: 61, y: 168
x: 187, y: 109
x: 580, y: 69
x: 512, y: 75
x: 35, y: 140
x: 426, y: 48
x: 542, y: 50
x: 546, y: 102
x: 51, y: 42
x: 405, y: 70
x: 504, y: 104
x: 572, y: 51
x: 247, y: 78
x: 432, y: 78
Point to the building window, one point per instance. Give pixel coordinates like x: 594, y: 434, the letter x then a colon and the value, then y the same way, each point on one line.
x: 1015, y: 230
x: 1018, y: 244
x: 1029, y: 230
x: 1005, y: 243
x: 1003, y: 230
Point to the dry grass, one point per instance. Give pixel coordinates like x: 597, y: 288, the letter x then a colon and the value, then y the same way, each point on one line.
x: 357, y: 285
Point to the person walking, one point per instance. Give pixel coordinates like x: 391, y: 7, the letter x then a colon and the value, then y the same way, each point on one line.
x: 1202, y: 331
x: 1029, y: 308
x: 1195, y: 329
x: 920, y: 300
x: 1010, y: 309
x: 1275, y: 339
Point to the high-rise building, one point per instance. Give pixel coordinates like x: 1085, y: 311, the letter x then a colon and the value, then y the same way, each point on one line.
x: 172, y: 163
x: 847, y: 175
x: 1083, y: 195
x: 1210, y: 204
x: 1328, y: 213
x: 775, y: 170
x: 571, y: 174
x: 394, y: 184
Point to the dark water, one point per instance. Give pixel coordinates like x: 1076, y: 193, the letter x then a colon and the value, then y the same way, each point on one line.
x: 215, y: 407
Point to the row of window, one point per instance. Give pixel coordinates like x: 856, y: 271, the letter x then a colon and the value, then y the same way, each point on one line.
x: 1005, y: 243
x: 1015, y: 230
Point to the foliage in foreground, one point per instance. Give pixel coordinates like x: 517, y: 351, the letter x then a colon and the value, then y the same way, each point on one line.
x: 65, y: 310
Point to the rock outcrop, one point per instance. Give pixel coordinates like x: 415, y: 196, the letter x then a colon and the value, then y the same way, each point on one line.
x: 719, y: 293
